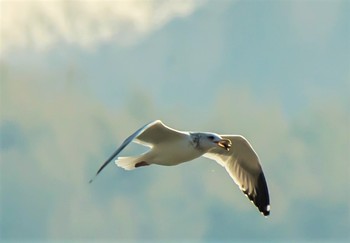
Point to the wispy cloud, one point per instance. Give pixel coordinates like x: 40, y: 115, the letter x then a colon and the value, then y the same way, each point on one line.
x: 55, y: 132
x: 41, y: 24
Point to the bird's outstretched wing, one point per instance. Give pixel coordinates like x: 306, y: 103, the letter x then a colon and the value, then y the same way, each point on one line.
x: 150, y: 134
x: 157, y: 133
x: 242, y: 164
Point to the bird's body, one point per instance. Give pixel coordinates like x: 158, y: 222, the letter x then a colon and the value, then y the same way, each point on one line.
x: 171, y: 147
x: 164, y: 154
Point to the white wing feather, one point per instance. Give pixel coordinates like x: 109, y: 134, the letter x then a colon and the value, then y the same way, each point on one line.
x: 242, y: 164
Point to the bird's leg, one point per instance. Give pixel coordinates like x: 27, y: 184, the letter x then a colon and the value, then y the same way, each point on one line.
x: 142, y: 163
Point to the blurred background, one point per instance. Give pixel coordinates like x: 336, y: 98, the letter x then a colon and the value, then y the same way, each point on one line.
x: 78, y: 77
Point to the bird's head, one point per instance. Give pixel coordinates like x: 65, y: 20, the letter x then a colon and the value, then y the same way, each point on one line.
x: 208, y: 141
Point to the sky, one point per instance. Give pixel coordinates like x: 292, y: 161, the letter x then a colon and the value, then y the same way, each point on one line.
x: 78, y: 77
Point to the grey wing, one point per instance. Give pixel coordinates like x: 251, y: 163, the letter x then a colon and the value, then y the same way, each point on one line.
x: 158, y: 133
x: 242, y: 164
x: 121, y: 147
x: 150, y: 134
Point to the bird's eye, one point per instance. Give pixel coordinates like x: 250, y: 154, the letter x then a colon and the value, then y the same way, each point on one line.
x: 211, y: 137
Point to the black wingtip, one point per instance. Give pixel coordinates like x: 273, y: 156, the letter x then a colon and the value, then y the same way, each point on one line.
x: 108, y: 161
x: 92, y: 179
x: 261, y: 199
x: 266, y: 211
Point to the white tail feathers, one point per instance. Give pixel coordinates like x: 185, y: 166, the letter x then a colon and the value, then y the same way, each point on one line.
x: 127, y: 163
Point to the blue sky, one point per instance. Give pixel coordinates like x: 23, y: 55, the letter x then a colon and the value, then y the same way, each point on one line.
x: 77, y: 78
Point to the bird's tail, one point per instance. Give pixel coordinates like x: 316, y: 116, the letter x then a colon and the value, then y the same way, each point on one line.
x: 128, y: 163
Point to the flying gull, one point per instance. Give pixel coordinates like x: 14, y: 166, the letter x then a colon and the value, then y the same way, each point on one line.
x: 171, y: 147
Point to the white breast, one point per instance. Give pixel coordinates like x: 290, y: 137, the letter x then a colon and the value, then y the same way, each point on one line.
x: 173, y: 153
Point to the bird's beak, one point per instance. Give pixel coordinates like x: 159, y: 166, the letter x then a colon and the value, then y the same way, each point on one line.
x: 225, y: 143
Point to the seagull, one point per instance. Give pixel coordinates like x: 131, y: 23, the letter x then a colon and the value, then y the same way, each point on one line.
x: 172, y: 147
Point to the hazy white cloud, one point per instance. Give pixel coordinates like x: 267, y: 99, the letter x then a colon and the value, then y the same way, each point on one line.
x: 41, y: 24
x: 54, y: 137
x: 314, y: 22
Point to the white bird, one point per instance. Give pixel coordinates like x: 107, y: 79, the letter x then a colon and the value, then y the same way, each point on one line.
x: 171, y: 147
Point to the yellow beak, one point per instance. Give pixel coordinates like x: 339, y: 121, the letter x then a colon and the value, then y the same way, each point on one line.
x: 225, y: 143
